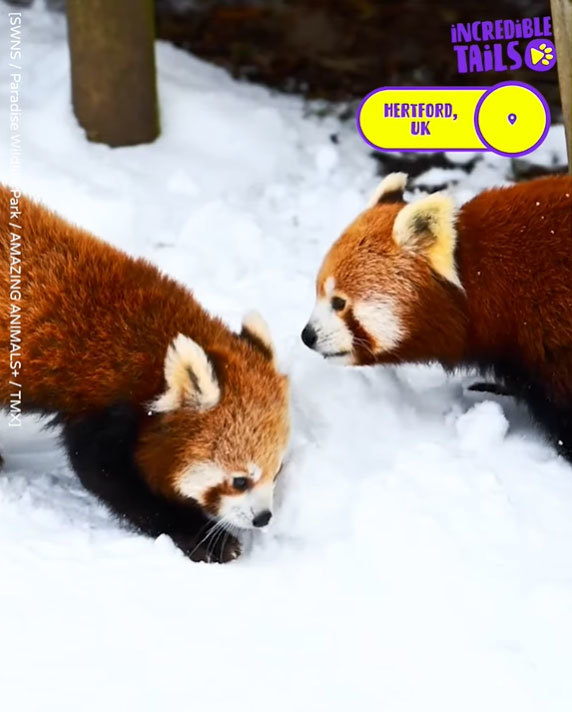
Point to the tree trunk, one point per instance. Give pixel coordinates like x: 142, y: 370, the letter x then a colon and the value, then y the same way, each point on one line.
x: 112, y: 53
x: 562, y: 25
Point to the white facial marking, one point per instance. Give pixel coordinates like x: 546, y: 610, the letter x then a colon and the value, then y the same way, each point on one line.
x: 196, y: 481
x: 237, y: 509
x: 240, y: 509
x: 255, y: 472
x: 333, y: 336
x: 329, y: 286
x: 380, y: 320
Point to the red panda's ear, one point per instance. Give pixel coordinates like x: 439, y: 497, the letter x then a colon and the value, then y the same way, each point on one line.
x: 390, y: 190
x: 427, y: 227
x: 189, y: 376
x: 256, y: 332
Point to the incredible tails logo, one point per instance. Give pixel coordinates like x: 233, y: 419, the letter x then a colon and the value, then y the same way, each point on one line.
x: 496, y: 46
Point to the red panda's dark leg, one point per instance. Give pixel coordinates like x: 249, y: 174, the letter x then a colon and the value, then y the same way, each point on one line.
x: 554, y: 409
x: 100, y: 448
x: 558, y: 423
x: 554, y: 414
x: 546, y: 389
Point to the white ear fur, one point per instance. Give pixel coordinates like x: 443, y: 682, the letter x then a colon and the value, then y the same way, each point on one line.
x: 427, y: 226
x: 255, y: 327
x: 393, y: 184
x: 189, y: 376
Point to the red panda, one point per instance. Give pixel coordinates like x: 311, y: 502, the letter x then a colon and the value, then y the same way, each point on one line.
x: 176, y: 423
x: 487, y: 287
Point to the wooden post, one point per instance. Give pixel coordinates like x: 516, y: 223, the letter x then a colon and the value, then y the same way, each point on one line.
x: 562, y: 26
x: 112, y: 54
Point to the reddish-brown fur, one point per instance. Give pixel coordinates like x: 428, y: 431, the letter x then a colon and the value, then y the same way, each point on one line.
x: 515, y: 259
x: 96, y: 325
x: 366, y: 260
x: 82, y: 348
x: 514, y: 317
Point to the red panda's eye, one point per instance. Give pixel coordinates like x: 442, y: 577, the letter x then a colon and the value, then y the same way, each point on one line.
x: 338, y: 303
x: 240, y: 483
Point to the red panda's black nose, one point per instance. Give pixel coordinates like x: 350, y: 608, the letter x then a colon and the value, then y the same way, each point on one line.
x: 262, y: 519
x: 309, y: 336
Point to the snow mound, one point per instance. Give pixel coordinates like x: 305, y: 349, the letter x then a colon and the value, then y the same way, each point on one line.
x: 483, y: 426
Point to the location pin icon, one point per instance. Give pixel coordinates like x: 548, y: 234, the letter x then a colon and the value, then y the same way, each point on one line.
x: 511, y: 119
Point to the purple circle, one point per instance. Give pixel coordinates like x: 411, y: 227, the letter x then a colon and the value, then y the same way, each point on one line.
x: 537, y: 60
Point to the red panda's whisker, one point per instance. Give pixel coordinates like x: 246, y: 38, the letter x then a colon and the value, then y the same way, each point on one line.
x: 223, y: 530
x: 206, y: 537
x: 365, y: 345
x: 211, y: 544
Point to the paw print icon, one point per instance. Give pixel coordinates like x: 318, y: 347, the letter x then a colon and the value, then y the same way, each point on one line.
x: 540, y: 55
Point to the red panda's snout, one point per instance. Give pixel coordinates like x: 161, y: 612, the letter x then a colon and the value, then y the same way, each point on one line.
x: 390, y: 277
x: 218, y: 434
x: 352, y: 329
x: 360, y: 336
x: 243, y: 499
x: 327, y: 331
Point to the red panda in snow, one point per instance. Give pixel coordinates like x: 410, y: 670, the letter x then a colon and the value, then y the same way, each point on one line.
x: 486, y: 287
x: 176, y: 423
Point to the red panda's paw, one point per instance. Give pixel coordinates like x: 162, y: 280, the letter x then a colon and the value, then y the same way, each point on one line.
x: 212, y: 550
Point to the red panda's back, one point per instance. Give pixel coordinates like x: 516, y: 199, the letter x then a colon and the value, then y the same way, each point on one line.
x: 515, y: 260
x: 95, y: 322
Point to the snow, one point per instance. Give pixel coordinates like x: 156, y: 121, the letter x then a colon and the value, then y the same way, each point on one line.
x: 419, y: 556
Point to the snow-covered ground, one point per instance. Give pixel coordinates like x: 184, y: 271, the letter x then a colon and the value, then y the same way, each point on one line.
x: 420, y: 557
